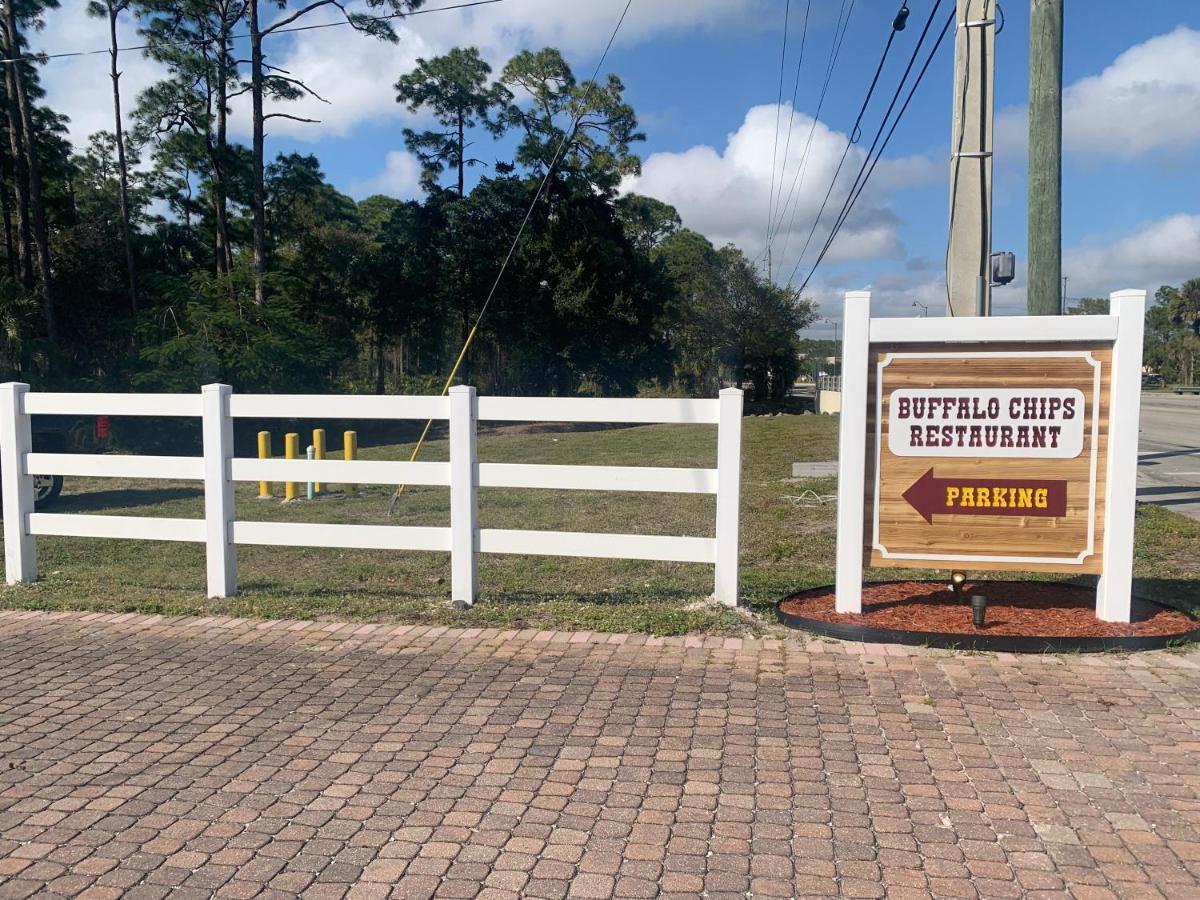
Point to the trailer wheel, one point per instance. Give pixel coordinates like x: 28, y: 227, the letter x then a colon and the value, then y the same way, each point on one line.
x: 46, y: 489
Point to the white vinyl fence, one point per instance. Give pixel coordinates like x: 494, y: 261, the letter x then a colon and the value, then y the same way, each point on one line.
x: 218, y: 469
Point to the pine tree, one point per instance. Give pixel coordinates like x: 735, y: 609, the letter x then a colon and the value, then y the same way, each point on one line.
x: 111, y: 10
x: 23, y: 127
x: 268, y: 82
x: 194, y: 38
x: 454, y: 88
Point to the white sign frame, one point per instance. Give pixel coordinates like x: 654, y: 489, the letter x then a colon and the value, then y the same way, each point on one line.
x: 1123, y: 327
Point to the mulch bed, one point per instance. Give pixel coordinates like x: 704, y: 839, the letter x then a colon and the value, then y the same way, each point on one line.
x: 1015, y: 608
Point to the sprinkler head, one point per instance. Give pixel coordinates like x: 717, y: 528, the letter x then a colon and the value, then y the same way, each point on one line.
x: 978, y: 609
x: 956, y: 581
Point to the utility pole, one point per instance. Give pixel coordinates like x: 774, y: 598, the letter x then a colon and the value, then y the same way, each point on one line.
x: 834, y: 323
x: 1045, y: 155
x: 836, y: 343
x: 968, y: 281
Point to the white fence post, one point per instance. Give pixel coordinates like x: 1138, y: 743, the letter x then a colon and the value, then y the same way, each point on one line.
x: 16, y: 439
x: 217, y: 429
x: 1115, y: 588
x: 464, y: 479
x: 852, y: 449
x: 729, y: 494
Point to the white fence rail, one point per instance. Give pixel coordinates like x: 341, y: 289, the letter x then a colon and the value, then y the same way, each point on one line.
x: 218, y: 469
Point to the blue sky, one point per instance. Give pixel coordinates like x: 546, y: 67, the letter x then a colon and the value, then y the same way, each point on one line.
x: 704, y: 78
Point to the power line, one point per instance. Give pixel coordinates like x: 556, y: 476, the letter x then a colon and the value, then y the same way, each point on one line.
x: 862, y: 186
x: 835, y: 50
x: 798, y: 188
x: 787, y: 146
x: 891, y: 131
x: 583, y: 109
x: 985, y: 212
x: 862, y: 172
x: 843, y: 22
x: 874, y: 142
x: 779, y: 102
x: 852, y: 138
x: 43, y: 57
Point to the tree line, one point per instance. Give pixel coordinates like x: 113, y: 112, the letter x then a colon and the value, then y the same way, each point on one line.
x: 1171, y: 345
x: 166, y: 254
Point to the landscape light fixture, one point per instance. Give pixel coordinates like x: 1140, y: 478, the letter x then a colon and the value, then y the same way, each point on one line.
x: 978, y: 610
x: 956, y: 582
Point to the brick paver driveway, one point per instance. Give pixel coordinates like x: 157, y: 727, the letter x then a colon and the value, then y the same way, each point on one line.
x: 143, y: 756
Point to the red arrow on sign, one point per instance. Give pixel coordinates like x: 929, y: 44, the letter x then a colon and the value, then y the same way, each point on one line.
x: 930, y: 496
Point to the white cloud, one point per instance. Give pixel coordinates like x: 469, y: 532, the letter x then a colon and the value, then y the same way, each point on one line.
x: 355, y: 73
x: 583, y: 26
x: 401, y: 178
x: 1154, y: 253
x: 895, y: 293
x: 725, y: 194
x: 1010, y: 133
x: 79, y: 86
x: 898, y: 293
x: 906, y: 172
x: 1147, y: 100
x: 1164, y: 251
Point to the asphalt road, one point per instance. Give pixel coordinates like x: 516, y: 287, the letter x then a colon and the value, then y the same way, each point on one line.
x: 1169, y: 452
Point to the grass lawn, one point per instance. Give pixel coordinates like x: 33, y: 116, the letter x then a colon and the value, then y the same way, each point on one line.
x: 787, y: 542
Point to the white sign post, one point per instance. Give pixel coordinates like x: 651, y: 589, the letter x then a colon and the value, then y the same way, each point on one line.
x: 968, y: 400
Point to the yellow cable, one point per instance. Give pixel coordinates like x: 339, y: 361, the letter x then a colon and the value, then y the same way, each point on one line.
x: 445, y: 390
x: 521, y: 230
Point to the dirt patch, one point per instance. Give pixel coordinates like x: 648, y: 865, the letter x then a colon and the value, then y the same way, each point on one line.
x: 1015, y: 608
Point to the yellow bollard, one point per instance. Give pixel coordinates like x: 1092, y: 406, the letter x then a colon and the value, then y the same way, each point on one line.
x: 291, y: 450
x: 318, y: 452
x: 265, y: 488
x: 350, y: 451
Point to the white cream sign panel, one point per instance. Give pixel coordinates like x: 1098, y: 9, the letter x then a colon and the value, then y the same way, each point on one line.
x: 1033, y: 423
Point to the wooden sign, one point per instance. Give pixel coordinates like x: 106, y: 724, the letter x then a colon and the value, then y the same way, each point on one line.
x: 988, y: 459
x: 984, y: 444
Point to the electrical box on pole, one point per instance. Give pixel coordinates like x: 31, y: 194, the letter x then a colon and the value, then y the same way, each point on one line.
x: 968, y: 255
x: 1004, y: 268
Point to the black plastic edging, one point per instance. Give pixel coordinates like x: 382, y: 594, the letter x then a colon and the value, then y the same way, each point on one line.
x: 990, y: 643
